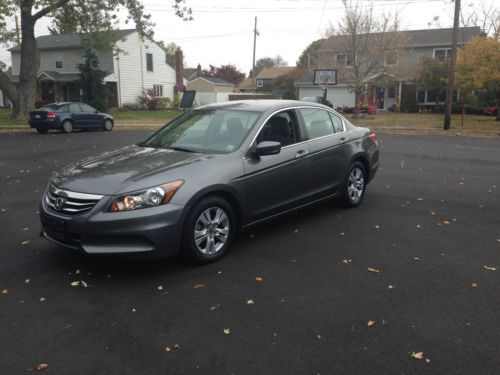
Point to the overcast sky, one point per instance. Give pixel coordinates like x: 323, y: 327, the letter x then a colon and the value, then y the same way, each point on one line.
x: 222, y: 30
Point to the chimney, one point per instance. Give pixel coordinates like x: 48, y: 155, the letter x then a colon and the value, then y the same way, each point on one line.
x: 198, y: 71
x: 179, y: 73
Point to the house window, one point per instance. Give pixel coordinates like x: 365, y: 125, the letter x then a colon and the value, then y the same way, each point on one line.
x: 391, y: 58
x: 59, y: 62
x: 259, y: 83
x: 158, y: 90
x: 343, y: 59
x: 149, y: 62
x: 391, y: 93
x: 442, y: 54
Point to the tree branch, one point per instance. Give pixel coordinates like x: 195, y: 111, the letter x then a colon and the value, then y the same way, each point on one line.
x: 44, y: 11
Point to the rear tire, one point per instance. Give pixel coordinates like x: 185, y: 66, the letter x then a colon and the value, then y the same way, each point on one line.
x: 354, y: 186
x: 67, y: 127
x: 208, y: 230
x: 108, y: 125
x: 42, y: 131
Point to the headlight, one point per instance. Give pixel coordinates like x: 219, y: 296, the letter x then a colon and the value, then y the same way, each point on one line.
x: 151, y: 197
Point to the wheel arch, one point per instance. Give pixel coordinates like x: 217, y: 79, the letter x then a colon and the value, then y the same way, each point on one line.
x: 363, y: 159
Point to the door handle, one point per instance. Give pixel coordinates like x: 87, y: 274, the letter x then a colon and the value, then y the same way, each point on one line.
x: 300, y: 154
x: 342, y: 140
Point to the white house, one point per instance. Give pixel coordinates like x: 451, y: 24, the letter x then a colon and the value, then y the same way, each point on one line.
x: 134, y: 65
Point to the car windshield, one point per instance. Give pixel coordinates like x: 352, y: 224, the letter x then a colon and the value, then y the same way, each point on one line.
x: 205, y: 131
x: 51, y: 107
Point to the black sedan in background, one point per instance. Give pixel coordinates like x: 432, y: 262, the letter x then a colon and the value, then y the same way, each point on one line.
x: 69, y: 116
x: 190, y: 185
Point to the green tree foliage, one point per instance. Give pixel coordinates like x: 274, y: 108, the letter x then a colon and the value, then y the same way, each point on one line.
x: 89, y: 16
x: 94, y: 90
x: 170, y: 54
x: 286, y: 82
x: 432, y: 76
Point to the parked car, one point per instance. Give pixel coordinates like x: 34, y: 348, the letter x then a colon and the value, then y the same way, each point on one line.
x: 317, y: 99
x: 490, y: 111
x: 69, y: 116
x: 212, y: 170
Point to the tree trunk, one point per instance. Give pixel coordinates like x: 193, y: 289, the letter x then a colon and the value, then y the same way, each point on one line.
x: 8, y: 88
x: 26, y: 93
x: 357, y: 97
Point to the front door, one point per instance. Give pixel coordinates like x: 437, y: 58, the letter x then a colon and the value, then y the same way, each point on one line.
x: 92, y: 117
x: 379, y: 97
x: 276, y: 183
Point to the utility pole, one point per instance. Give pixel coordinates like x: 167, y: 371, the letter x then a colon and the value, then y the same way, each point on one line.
x: 453, y: 63
x: 255, y: 33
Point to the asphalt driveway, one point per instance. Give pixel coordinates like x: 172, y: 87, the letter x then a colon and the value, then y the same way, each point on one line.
x: 415, y: 270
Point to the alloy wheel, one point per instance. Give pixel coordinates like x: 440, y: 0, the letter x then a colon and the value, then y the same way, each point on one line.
x: 355, y: 185
x: 211, y: 230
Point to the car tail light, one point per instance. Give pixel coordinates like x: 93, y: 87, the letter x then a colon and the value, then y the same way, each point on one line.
x: 373, y: 138
x: 51, y: 115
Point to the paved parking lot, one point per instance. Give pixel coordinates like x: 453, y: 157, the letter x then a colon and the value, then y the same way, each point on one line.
x: 294, y: 296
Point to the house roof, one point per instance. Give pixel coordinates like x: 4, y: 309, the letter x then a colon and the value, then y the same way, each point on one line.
x: 49, y: 76
x: 215, y: 81
x: 64, y: 41
x: 419, y: 38
x: 190, y: 73
x: 247, y: 83
x: 274, y: 72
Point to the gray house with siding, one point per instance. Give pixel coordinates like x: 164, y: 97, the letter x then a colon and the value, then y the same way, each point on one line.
x: 135, y: 64
x: 394, y: 79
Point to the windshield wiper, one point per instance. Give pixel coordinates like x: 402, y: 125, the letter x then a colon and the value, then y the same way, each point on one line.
x: 177, y: 148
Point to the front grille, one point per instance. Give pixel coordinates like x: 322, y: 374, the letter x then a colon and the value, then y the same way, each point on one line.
x: 70, y: 202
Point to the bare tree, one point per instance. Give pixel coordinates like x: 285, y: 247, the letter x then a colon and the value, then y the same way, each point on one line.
x: 363, y: 45
x: 482, y: 14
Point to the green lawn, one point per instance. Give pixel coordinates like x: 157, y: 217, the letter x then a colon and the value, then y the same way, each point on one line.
x: 388, y: 122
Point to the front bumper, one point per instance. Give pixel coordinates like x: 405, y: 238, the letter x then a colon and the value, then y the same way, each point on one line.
x: 154, y: 232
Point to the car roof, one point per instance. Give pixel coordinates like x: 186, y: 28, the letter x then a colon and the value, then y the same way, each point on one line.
x: 260, y: 105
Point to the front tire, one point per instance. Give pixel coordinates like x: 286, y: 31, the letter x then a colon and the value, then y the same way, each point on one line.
x: 354, y: 187
x: 67, y: 127
x: 208, y: 230
x: 108, y: 125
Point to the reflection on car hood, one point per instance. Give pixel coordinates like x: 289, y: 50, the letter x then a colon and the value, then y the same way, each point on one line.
x: 112, y: 171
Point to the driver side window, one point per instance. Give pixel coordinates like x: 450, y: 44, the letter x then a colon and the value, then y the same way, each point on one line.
x: 281, y: 127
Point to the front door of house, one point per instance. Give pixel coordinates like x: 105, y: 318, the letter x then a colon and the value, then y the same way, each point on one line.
x: 379, y: 97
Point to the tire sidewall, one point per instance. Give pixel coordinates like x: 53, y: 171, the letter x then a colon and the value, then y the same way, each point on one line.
x: 348, y: 202
x: 64, y: 129
x: 106, y: 122
x: 189, y: 248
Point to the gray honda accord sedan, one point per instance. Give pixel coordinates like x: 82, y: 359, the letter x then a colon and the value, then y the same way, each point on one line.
x: 191, y: 185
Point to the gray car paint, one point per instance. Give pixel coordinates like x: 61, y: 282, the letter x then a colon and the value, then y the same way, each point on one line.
x: 256, y: 187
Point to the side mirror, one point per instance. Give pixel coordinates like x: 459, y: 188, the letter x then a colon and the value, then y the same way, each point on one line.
x: 267, y: 148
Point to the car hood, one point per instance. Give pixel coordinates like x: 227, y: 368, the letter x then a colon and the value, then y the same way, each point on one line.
x: 115, y: 171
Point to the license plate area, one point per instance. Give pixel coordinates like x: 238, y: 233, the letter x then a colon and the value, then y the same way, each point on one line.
x: 55, y: 225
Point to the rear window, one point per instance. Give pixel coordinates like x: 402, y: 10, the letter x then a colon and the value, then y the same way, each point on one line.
x: 51, y: 107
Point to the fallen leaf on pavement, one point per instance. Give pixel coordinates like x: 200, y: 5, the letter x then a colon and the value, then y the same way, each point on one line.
x: 418, y: 355
x: 42, y: 366
x: 259, y: 278
x: 250, y: 302
x: 490, y: 268
x: 376, y: 226
x: 373, y: 270
x: 227, y: 331
x: 319, y: 337
x: 24, y: 243
x: 420, y: 199
x: 212, y: 308
x: 371, y: 323
x: 77, y: 272
x: 159, y: 287
x: 5, y: 291
x: 75, y: 283
x: 427, y: 360
x: 346, y: 261
x: 27, y: 281
x: 174, y: 348
x: 474, y: 285
x: 43, y: 299
x: 83, y: 283
x: 419, y: 226
x: 197, y: 286
x: 446, y: 222
x: 390, y: 286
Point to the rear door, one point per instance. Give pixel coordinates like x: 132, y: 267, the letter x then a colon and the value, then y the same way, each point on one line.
x: 77, y: 115
x: 276, y: 183
x: 93, y: 118
x: 329, y: 149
